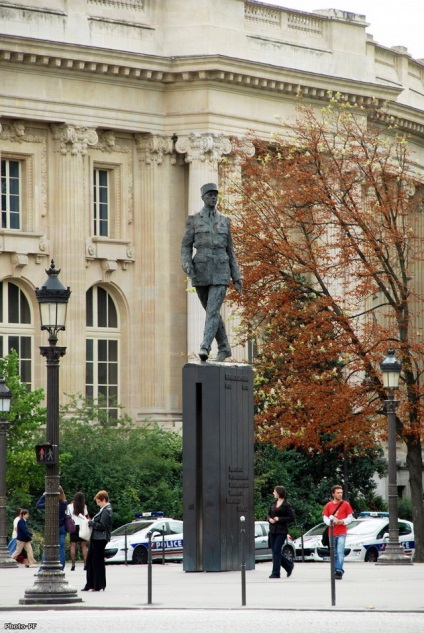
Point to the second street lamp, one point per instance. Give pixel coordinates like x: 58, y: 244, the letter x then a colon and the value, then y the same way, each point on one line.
x: 393, y: 554
x: 51, y: 586
x: 5, y: 398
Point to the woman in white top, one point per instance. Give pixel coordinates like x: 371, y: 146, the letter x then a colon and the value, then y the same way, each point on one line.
x: 78, y: 511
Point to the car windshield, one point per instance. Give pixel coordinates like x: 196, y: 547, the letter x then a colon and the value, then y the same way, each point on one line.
x: 318, y: 529
x: 132, y: 528
x: 364, y: 527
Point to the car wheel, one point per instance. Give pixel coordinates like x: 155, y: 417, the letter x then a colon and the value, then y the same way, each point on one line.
x: 139, y: 556
x: 372, y: 555
x: 288, y: 552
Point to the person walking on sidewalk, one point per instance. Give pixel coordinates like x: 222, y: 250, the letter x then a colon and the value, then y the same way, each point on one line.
x: 341, y: 513
x: 280, y: 515
x: 23, y: 540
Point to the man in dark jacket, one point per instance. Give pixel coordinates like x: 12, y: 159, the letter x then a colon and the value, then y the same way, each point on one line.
x: 211, y: 268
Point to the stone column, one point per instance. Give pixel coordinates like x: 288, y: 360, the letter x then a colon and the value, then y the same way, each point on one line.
x: 231, y: 176
x: 203, y: 153
x: 69, y: 203
x: 157, y: 241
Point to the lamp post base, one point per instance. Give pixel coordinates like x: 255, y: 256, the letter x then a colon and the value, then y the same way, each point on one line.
x: 5, y: 559
x: 394, y: 555
x: 51, y: 587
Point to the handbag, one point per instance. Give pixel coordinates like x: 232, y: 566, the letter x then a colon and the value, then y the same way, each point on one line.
x: 325, y: 539
x: 84, y: 529
x: 69, y: 524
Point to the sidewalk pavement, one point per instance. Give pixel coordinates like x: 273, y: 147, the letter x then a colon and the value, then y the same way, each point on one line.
x: 365, y: 587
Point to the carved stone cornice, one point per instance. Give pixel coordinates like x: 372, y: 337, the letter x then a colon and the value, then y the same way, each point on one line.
x: 219, y: 68
x: 203, y: 146
x: 242, y: 74
x: 73, y: 139
x: 152, y: 148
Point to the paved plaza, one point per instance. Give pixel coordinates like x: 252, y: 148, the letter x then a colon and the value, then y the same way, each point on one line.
x: 380, y: 598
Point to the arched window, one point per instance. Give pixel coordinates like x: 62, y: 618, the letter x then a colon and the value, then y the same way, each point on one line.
x: 102, y: 350
x: 16, y: 328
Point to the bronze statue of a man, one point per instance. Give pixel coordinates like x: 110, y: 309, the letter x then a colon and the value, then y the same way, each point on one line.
x: 211, y: 268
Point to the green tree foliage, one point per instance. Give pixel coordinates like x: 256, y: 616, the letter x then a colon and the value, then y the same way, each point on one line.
x: 140, y: 467
x: 23, y: 476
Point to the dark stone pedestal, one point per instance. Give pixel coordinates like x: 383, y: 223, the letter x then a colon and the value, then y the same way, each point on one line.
x: 217, y: 466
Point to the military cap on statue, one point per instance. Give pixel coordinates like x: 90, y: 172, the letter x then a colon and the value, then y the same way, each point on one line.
x: 210, y: 186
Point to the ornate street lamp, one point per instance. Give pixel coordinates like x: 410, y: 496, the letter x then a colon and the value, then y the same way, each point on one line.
x: 394, y: 553
x: 50, y: 586
x: 5, y: 398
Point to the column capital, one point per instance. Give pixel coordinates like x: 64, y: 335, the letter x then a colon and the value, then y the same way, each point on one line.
x: 74, y: 139
x: 152, y: 148
x: 203, y: 147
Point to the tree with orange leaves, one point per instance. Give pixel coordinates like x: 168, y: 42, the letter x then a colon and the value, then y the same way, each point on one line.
x: 327, y: 227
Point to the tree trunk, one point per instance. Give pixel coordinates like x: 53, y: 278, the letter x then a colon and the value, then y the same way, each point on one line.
x: 415, y: 467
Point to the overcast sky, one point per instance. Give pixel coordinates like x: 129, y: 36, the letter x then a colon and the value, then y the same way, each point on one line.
x: 392, y: 22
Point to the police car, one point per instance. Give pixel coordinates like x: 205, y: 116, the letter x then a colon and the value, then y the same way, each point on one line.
x: 133, y: 538
x: 368, y: 538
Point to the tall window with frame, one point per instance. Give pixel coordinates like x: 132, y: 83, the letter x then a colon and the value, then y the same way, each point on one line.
x: 101, y: 202
x: 102, y: 350
x: 10, y: 194
x: 17, y: 329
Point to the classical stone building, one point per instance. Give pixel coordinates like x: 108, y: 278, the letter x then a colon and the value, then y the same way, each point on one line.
x: 113, y: 113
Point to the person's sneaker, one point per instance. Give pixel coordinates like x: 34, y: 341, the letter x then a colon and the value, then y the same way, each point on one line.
x: 274, y: 576
x: 338, y: 575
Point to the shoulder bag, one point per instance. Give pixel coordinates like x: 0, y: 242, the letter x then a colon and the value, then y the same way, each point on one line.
x: 69, y: 524
x: 325, y: 539
x: 84, y: 529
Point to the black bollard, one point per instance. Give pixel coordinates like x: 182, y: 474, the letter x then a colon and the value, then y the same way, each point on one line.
x: 163, y: 546
x: 332, y: 563
x: 243, y: 559
x: 126, y: 546
x: 149, y: 571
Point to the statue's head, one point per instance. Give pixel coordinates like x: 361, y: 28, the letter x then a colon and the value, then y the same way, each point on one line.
x: 210, y: 186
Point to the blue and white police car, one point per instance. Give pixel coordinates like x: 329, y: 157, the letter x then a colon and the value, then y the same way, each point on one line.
x: 368, y: 538
x: 133, y: 539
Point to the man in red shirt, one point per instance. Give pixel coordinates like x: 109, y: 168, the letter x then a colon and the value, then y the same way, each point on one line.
x: 341, y: 513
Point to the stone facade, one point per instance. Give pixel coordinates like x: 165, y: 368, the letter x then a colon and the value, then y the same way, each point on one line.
x: 132, y: 104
